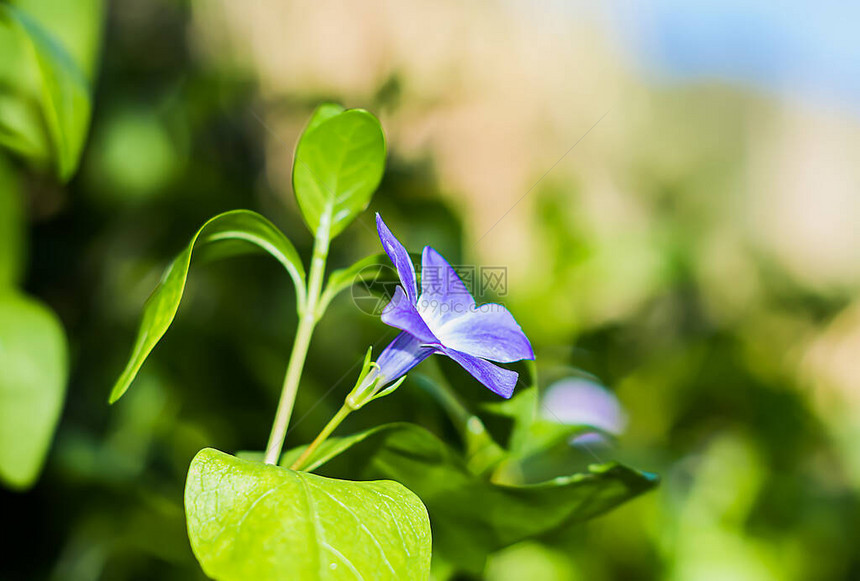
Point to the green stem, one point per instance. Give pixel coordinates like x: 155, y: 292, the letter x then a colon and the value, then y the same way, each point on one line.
x: 464, y: 420
x: 482, y: 452
x: 307, y: 322
x: 449, y: 400
x: 333, y: 423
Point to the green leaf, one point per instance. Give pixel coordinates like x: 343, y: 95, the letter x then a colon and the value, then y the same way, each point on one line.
x: 75, y: 24
x: 481, y: 452
x: 323, y: 112
x: 33, y: 369
x: 365, y: 269
x: 473, y: 516
x: 22, y: 130
x: 63, y: 95
x: 228, y: 234
x: 339, y: 163
x: 248, y: 520
x: 533, y: 434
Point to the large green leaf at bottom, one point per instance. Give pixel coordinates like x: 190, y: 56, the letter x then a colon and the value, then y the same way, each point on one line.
x: 228, y: 234
x: 33, y: 367
x: 471, y: 515
x: 252, y: 521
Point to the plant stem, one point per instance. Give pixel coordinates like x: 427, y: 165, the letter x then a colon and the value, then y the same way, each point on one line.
x: 482, y: 452
x: 450, y: 400
x: 307, y: 322
x: 333, y: 423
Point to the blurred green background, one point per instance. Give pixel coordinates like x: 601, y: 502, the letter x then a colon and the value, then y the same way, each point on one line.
x: 698, y: 251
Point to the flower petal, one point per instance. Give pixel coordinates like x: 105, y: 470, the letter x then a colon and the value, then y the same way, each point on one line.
x: 400, y: 257
x: 444, y: 297
x: 501, y: 381
x: 578, y: 401
x: 489, y: 332
x: 401, y: 355
x: 401, y: 313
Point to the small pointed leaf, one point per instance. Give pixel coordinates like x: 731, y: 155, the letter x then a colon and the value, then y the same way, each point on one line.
x: 389, y: 390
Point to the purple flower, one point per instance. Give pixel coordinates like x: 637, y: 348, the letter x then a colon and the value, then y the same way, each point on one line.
x: 443, y: 319
x: 581, y: 402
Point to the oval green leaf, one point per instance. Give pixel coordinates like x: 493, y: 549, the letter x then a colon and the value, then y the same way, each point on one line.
x: 227, y: 234
x: 33, y: 370
x: 248, y: 520
x: 339, y: 163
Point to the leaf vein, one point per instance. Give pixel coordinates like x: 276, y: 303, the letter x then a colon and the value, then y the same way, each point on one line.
x: 363, y: 527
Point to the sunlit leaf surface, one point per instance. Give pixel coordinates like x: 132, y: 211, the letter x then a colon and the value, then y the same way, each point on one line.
x: 339, y: 162
x: 248, y: 520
